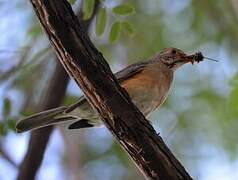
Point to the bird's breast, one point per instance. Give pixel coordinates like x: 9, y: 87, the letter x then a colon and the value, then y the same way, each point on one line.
x: 147, y: 91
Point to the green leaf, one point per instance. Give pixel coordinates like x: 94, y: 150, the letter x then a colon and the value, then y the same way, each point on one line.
x: 115, y: 31
x: 71, y: 1
x: 11, y: 123
x: 128, y: 28
x: 26, y: 112
x: 88, y: 6
x: 3, y: 129
x: 34, y: 30
x: 233, y: 97
x: 69, y: 100
x: 6, y: 107
x: 234, y: 81
x: 101, y: 21
x: 123, y: 9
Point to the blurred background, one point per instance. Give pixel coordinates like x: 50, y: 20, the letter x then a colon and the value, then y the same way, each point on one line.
x: 198, y: 121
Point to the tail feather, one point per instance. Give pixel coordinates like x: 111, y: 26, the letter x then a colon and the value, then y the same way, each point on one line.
x: 42, y: 119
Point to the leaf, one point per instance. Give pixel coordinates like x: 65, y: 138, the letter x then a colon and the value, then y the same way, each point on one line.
x: 123, y: 9
x: 101, y: 21
x: 6, y: 107
x: 69, y: 100
x: 234, y: 81
x: 3, y: 130
x: 11, y: 123
x: 128, y: 28
x: 71, y: 1
x: 115, y: 31
x: 26, y: 112
x: 88, y: 6
x: 34, y: 30
x: 233, y: 97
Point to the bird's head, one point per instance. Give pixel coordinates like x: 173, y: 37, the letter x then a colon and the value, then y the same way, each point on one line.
x: 173, y: 58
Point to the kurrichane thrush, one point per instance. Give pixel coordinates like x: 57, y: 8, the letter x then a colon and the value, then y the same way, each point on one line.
x: 147, y: 84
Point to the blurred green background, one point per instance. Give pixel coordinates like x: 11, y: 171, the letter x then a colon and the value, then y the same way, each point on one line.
x: 198, y: 121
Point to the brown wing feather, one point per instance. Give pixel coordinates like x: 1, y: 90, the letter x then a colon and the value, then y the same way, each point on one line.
x: 120, y: 75
x: 130, y: 71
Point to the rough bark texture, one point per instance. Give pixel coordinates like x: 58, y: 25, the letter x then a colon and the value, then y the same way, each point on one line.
x: 90, y: 70
x: 53, y: 97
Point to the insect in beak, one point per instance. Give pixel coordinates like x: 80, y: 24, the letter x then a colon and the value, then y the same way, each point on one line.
x: 197, y: 57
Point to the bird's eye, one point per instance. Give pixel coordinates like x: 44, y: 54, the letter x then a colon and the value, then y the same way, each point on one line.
x: 173, y: 51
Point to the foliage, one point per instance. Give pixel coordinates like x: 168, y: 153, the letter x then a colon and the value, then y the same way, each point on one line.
x: 233, y: 97
x: 115, y: 31
x: 199, y: 119
x: 88, y: 6
x: 101, y: 21
x: 72, y: 1
x: 123, y: 9
x: 118, y: 13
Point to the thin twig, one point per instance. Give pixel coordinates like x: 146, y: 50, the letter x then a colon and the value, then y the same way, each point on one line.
x: 8, y: 158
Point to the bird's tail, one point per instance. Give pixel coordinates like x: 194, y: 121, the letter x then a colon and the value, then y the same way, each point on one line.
x: 43, y: 119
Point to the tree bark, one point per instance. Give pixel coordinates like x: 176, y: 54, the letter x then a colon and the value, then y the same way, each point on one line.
x: 53, y: 97
x: 39, y: 138
x: 90, y: 70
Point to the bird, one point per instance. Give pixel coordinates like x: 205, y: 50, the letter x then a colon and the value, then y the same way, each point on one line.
x: 147, y: 83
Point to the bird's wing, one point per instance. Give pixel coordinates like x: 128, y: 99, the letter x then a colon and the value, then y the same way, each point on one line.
x: 120, y: 75
x: 130, y: 71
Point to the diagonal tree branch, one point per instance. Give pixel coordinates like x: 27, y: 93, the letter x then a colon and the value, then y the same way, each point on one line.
x: 90, y: 70
x: 53, y: 97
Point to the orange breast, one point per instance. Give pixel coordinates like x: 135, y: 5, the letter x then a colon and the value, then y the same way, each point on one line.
x: 137, y: 81
x: 144, y: 92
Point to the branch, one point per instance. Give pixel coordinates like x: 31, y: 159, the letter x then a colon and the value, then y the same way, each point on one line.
x: 7, y: 157
x: 90, y: 70
x: 39, y: 139
x: 54, y: 95
x: 24, y: 54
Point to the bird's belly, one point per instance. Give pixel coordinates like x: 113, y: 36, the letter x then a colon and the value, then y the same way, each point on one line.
x: 147, y: 100
x: 147, y: 96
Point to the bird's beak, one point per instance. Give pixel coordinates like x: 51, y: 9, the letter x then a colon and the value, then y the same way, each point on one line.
x: 197, y: 57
